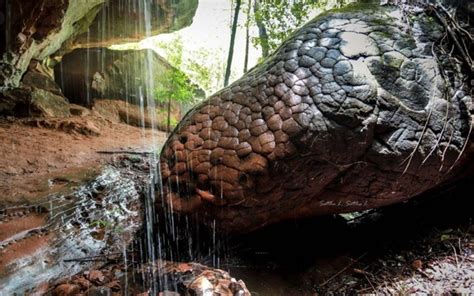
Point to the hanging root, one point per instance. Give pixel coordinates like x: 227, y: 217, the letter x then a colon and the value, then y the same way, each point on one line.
x: 468, y: 138
x: 412, y: 154
x: 458, y: 35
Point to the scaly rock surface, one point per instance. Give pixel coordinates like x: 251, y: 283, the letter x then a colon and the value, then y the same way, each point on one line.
x: 352, y: 112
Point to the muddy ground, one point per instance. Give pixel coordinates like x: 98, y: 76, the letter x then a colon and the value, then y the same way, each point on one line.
x: 39, y: 155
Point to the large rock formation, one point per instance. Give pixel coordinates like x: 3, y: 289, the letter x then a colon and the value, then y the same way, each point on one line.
x: 98, y: 73
x: 37, y: 29
x: 120, y: 85
x: 131, y: 21
x: 358, y: 109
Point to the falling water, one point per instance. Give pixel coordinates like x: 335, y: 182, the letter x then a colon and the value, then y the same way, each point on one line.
x: 164, y: 237
x: 168, y: 242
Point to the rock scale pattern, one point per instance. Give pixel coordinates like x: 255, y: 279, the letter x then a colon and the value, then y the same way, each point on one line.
x: 350, y: 113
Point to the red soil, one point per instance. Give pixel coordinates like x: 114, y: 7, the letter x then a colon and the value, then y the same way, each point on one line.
x: 39, y: 156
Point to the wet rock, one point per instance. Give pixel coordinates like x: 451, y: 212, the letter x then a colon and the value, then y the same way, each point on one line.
x: 202, y: 280
x: 117, y: 23
x: 37, y: 29
x: 86, y: 75
x: 47, y: 104
x: 190, y: 278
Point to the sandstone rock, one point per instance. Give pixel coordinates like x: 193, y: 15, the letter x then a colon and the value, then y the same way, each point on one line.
x: 96, y: 276
x: 27, y: 101
x: 66, y: 290
x: 46, y: 104
x: 77, y: 110
x: 38, y: 95
x: 39, y: 77
x: 117, y: 23
x: 120, y: 111
x: 100, y: 73
x: 40, y: 28
x: 366, y: 125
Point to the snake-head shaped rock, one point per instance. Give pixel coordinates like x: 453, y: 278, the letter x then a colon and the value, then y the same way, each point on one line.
x: 351, y: 112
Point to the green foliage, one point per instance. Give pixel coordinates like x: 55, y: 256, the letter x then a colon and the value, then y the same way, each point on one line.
x: 200, y: 65
x: 205, y: 70
x: 175, y: 86
x: 281, y: 17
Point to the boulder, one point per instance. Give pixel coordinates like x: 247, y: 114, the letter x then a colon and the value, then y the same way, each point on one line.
x: 47, y: 104
x: 38, y: 96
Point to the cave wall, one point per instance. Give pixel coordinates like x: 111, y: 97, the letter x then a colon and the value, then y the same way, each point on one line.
x: 86, y: 75
x: 126, y: 21
x: 119, y: 84
x: 37, y: 29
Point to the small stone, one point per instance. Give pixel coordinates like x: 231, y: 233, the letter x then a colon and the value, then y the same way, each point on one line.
x: 96, y: 276
x: 317, y: 53
x: 66, y: 290
x: 258, y: 127
x: 328, y: 42
x: 291, y: 65
x: 327, y: 62
x: 291, y: 127
x: 201, y: 286
x: 244, y: 149
x: 417, y: 264
x: 99, y: 291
